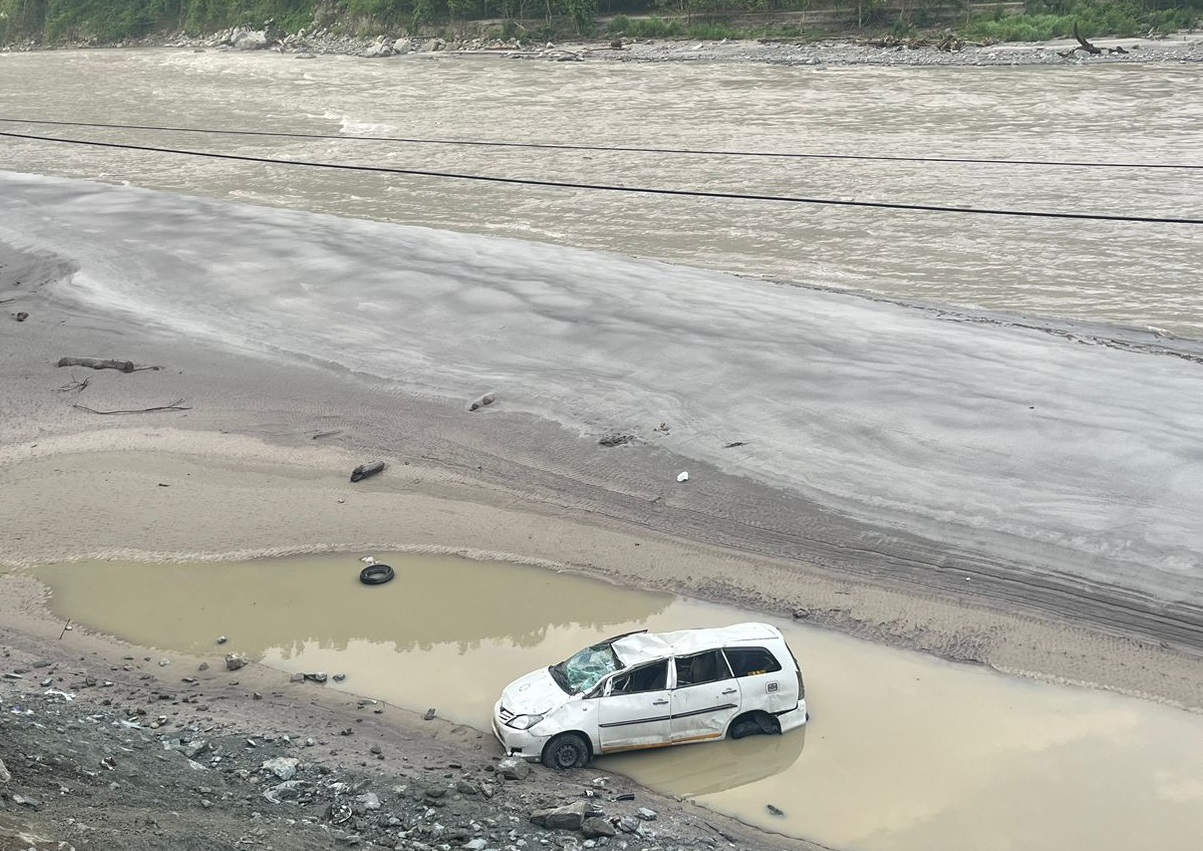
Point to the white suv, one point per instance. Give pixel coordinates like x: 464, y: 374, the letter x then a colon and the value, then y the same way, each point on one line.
x: 648, y: 690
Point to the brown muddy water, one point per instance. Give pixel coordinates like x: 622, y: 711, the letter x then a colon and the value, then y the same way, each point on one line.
x: 903, y: 752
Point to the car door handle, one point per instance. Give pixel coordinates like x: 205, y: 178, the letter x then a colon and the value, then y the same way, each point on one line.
x: 730, y: 690
x: 659, y: 702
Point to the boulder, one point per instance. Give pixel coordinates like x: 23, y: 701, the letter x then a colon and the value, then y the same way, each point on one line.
x: 248, y: 40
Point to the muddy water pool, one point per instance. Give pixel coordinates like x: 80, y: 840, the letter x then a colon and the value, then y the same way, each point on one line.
x: 902, y: 752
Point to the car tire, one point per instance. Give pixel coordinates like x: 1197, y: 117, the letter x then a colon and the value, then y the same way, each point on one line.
x: 567, y: 750
x: 746, y: 726
x: 376, y: 574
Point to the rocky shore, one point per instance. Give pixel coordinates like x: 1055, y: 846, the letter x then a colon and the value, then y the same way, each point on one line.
x: 118, y: 749
x: 933, y: 50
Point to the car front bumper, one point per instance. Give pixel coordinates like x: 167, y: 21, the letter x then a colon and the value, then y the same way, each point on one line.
x: 519, y: 743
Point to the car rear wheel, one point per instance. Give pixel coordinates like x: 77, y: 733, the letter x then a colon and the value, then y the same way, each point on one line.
x: 753, y: 725
x: 567, y: 750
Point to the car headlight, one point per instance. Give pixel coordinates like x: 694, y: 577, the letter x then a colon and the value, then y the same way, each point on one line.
x: 524, y: 722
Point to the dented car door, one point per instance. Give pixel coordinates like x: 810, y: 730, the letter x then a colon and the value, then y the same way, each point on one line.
x: 633, y: 711
x: 705, y: 698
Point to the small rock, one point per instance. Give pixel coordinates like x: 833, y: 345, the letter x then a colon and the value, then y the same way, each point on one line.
x: 369, y: 800
x: 594, y: 827
x: 568, y: 817
x: 234, y: 661
x: 203, y: 666
x: 429, y: 716
x: 644, y: 814
x: 256, y: 696
x: 284, y: 767
x: 316, y: 677
x: 338, y: 678
x: 4, y: 775
x: 774, y: 810
x: 376, y: 749
x: 221, y: 639
x: 513, y: 768
x: 286, y: 790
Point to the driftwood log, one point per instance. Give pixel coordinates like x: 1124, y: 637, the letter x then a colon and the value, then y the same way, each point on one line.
x: 1083, y: 44
x: 102, y: 363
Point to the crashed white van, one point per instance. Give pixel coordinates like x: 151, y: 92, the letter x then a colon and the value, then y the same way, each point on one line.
x: 649, y: 690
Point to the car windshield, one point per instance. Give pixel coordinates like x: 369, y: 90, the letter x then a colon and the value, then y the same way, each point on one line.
x: 583, y: 670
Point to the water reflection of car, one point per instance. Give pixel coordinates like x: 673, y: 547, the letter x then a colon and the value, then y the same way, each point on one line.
x: 697, y: 772
x: 650, y: 690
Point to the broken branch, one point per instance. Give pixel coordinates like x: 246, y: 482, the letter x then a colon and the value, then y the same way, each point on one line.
x: 75, y: 384
x: 100, y: 363
x: 174, y: 406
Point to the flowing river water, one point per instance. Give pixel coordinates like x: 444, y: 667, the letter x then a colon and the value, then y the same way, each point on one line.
x: 903, y: 752
x: 1135, y: 274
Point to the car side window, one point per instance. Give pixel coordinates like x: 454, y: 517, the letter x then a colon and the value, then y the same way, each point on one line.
x: 652, y: 677
x: 700, y: 668
x: 750, y: 661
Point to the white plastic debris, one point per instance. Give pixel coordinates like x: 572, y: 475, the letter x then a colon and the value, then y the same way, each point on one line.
x: 683, y: 477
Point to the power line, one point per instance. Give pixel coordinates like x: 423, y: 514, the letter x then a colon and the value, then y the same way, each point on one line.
x: 601, y: 187
x: 608, y: 148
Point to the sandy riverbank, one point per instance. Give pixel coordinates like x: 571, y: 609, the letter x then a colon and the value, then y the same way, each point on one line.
x: 255, y: 463
x: 258, y: 465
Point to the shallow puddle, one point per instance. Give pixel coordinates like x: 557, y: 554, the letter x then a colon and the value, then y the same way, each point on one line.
x: 903, y: 752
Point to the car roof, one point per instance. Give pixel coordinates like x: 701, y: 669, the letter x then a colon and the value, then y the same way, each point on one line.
x: 648, y: 646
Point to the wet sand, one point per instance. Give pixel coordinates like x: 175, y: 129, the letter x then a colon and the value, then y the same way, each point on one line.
x: 258, y: 465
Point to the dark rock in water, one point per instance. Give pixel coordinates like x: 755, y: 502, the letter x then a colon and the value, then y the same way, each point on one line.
x: 365, y: 470
x: 615, y: 439
x: 776, y: 811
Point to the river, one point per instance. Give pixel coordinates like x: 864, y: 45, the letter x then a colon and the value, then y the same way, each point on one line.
x: 1130, y: 274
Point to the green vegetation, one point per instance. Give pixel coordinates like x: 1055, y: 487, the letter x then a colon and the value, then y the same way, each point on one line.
x: 114, y: 21
x: 1048, y: 20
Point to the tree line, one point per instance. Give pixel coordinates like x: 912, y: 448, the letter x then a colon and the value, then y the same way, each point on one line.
x: 117, y: 21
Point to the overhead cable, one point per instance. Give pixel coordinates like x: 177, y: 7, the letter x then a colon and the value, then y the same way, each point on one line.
x: 601, y: 187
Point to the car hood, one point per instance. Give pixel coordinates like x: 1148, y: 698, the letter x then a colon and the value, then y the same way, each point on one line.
x: 535, y: 693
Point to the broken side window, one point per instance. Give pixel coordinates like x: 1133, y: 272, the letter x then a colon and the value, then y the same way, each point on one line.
x: 653, y: 677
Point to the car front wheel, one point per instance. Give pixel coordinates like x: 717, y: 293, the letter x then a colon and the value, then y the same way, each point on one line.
x: 567, y: 750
